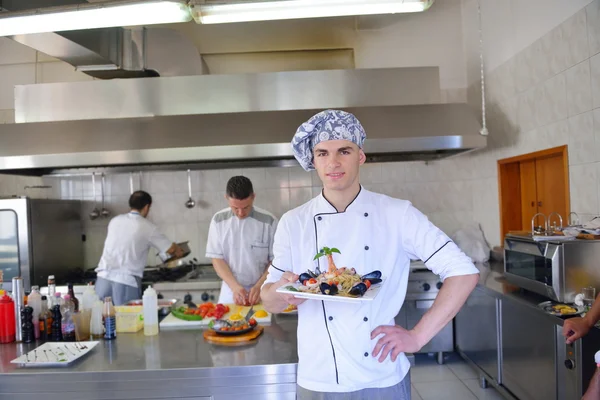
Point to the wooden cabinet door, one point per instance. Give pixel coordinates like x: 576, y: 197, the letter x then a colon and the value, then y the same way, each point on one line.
x: 551, y: 187
x: 529, y: 200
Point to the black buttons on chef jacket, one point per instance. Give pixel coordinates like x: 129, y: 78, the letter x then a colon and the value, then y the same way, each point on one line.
x: 365, y: 319
x: 319, y: 218
x: 330, y: 318
x: 366, y: 214
x: 366, y: 247
x: 366, y: 354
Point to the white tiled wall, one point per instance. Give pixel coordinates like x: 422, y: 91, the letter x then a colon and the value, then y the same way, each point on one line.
x: 545, y: 96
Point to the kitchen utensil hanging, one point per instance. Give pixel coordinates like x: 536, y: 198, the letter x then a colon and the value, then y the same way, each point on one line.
x: 95, y: 213
x: 190, y: 203
x: 131, y: 183
x: 105, y: 213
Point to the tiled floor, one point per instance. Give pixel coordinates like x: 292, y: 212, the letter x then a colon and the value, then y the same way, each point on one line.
x: 455, y: 380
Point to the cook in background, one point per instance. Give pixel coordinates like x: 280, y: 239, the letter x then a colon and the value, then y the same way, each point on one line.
x: 357, y: 348
x: 240, y: 244
x: 576, y: 328
x: 125, y: 253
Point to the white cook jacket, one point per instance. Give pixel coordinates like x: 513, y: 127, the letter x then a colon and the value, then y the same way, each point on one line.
x: 375, y: 232
x: 246, y: 245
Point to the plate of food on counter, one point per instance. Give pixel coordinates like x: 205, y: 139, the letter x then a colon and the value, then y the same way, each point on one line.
x: 232, y: 328
x: 335, y: 284
x: 561, y: 309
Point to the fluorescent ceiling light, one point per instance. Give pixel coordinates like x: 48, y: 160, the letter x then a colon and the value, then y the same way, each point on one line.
x: 90, y: 16
x: 293, y: 9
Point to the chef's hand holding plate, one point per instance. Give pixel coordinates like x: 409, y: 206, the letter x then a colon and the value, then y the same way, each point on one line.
x: 575, y: 328
x: 287, y: 278
x: 395, y: 340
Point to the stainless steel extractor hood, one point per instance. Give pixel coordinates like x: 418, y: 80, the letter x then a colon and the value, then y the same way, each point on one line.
x: 210, y: 121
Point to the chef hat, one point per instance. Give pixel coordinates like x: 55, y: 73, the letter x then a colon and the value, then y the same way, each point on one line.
x: 326, y: 125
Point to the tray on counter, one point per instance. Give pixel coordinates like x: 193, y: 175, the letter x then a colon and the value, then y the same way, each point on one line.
x: 53, y: 354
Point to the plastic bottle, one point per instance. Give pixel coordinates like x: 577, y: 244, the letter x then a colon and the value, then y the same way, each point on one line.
x: 27, y: 324
x: 56, y: 335
x: 109, y: 318
x: 7, y: 319
x: 96, y: 322
x: 89, y: 297
x: 150, y: 303
x: 35, y: 302
x: 58, y: 300
x: 74, y: 299
x: 67, y: 323
x: 43, y: 325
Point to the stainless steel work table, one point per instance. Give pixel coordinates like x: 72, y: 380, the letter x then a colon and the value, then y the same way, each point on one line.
x: 176, y: 364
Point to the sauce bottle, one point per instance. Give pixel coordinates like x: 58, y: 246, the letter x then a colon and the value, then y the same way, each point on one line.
x: 7, y: 319
x: 67, y: 323
x: 150, y: 304
x: 43, y: 319
x: 35, y: 301
x: 74, y: 299
x: 109, y: 318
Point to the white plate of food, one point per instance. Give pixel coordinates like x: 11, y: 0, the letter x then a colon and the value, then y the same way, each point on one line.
x: 52, y: 354
x: 561, y: 309
x: 335, y: 284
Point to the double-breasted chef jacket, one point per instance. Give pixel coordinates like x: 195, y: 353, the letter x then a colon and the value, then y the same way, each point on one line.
x: 375, y: 232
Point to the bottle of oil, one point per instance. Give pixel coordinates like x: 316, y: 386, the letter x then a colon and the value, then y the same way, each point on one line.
x: 110, y: 319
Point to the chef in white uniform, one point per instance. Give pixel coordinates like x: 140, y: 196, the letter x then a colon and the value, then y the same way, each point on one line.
x: 129, y: 238
x: 354, y: 350
x: 240, y: 244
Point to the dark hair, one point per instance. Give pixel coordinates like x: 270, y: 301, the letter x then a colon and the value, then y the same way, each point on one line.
x: 239, y: 187
x: 139, y: 200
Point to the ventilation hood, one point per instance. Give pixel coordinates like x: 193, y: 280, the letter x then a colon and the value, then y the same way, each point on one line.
x: 211, y: 121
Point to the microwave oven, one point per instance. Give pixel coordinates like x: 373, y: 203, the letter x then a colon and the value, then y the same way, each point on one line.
x: 39, y: 237
x: 557, y: 269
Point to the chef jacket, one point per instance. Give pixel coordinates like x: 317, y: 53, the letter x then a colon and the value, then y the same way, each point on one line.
x: 375, y: 232
x: 125, y: 253
x: 246, y: 244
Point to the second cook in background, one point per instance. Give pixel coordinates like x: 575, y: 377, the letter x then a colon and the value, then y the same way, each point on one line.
x: 240, y: 244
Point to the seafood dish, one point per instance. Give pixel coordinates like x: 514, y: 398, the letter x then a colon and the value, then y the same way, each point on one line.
x: 336, y: 281
x: 227, y: 328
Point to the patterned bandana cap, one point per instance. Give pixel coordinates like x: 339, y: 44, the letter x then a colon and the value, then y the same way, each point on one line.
x: 326, y: 125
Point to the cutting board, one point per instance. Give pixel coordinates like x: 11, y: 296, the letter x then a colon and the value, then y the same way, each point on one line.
x: 211, y: 336
x: 172, y: 321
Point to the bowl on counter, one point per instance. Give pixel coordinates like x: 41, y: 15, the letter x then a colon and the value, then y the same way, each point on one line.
x: 164, y: 305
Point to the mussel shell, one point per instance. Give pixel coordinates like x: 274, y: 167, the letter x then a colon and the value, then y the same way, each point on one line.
x: 328, y: 289
x: 304, y: 277
x: 374, y: 281
x: 359, y: 289
x: 372, y: 275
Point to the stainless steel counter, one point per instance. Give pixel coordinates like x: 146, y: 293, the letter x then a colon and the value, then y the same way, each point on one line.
x: 174, y: 364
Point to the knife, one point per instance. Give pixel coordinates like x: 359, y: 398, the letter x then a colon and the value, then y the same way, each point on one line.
x: 250, y: 314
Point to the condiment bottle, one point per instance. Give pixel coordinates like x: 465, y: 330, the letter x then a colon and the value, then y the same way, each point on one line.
x: 96, y: 322
x: 51, y: 291
x: 67, y: 323
x: 56, y: 335
x: 110, y: 319
x: 35, y: 301
x: 44, y: 317
x: 89, y: 297
x: 7, y: 319
x: 150, y: 304
x: 27, y: 324
x: 73, y: 298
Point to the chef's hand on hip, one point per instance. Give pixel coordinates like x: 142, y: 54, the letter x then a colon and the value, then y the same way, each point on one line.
x: 287, y: 278
x: 240, y: 295
x: 575, y: 328
x: 395, y: 340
